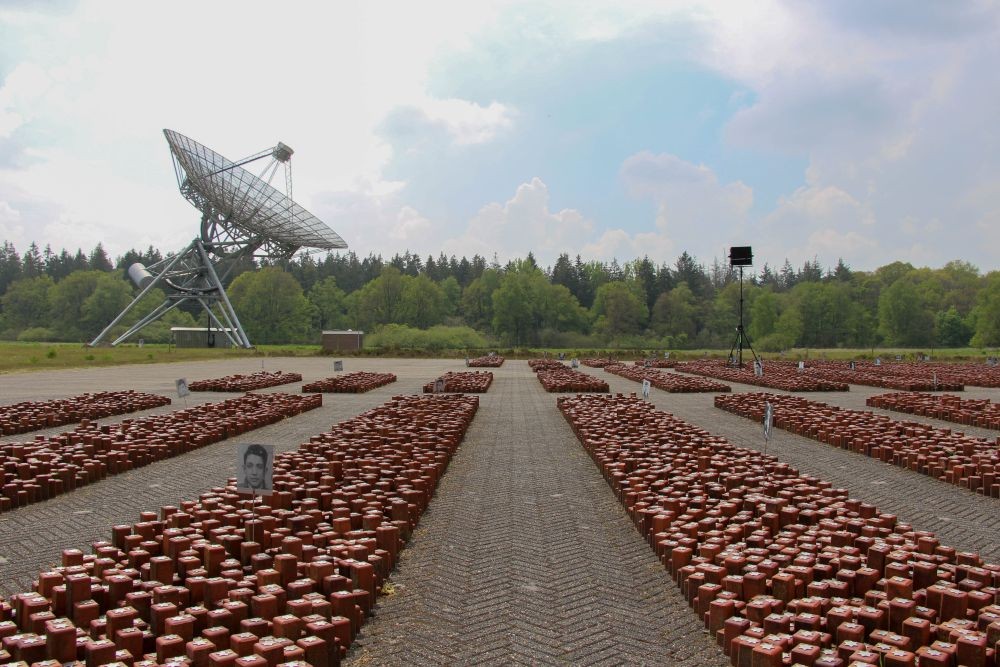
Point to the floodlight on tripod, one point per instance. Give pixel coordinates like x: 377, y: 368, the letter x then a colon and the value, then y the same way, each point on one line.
x: 740, y: 256
x: 243, y: 217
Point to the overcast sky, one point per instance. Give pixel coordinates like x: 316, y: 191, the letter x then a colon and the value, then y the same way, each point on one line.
x: 856, y: 129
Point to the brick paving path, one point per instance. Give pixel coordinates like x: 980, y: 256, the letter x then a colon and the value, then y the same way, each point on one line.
x: 524, y: 556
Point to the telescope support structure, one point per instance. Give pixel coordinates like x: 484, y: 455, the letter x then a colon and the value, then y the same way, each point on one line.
x: 188, y: 276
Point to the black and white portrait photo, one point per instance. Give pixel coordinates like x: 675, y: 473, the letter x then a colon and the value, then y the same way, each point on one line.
x: 254, y: 468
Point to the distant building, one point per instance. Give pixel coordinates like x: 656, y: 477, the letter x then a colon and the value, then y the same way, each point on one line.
x: 200, y: 337
x: 343, y: 341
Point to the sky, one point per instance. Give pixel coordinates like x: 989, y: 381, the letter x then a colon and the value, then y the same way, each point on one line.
x: 855, y: 130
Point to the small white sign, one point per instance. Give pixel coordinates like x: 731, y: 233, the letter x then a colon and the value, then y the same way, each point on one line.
x: 645, y: 390
x: 768, y: 419
x: 182, y: 387
x: 338, y: 366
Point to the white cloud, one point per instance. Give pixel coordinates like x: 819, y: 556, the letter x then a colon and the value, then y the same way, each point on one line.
x: 436, y: 123
x: 94, y: 85
x: 465, y: 122
x: 410, y: 226
x: 621, y: 245
x: 892, y: 105
x: 822, y: 222
x: 831, y: 245
x: 20, y: 94
x: 690, y: 193
x: 520, y: 225
x: 10, y: 227
x: 694, y: 210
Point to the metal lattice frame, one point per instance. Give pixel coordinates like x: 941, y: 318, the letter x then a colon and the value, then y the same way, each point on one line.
x: 243, y: 217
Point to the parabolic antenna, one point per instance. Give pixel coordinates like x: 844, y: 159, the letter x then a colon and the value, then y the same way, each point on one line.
x: 243, y: 217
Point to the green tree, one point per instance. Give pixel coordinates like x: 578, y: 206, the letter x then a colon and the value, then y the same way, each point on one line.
x: 645, y: 274
x: 987, y: 313
x: 26, y: 304
x: 675, y: 313
x: 453, y: 295
x: 763, y: 315
x: 329, y: 302
x: 110, y: 296
x: 99, y: 260
x: 272, y: 307
x: 559, y: 310
x: 66, y: 299
x: 10, y: 265
x: 477, y: 299
x: 32, y: 263
x: 830, y: 314
x: 619, y: 308
x: 890, y: 273
x: 724, y: 313
x: 952, y: 329
x: 564, y: 273
x: 960, y: 282
x: 904, y: 318
x: 688, y: 270
x: 788, y: 329
x: 526, y: 306
x: 423, y: 303
x: 513, y: 308
x: 379, y: 300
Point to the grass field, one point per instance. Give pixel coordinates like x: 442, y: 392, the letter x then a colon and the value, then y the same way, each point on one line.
x: 18, y: 357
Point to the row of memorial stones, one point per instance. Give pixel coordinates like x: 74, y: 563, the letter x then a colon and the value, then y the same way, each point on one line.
x: 45, y: 467
x: 224, y: 581
x: 783, y: 568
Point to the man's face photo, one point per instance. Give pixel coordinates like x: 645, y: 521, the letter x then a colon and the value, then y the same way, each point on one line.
x: 254, y: 467
x: 256, y: 464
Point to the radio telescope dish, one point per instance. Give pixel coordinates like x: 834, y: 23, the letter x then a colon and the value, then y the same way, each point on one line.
x: 244, y: 199
x: 243, y: 217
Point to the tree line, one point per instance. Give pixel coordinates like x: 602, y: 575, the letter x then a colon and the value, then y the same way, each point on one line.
x: 61, y: 296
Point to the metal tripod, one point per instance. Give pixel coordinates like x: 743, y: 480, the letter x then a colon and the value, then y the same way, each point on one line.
x: 742, y: 338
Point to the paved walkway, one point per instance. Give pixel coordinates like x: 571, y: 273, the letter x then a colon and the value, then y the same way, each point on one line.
x: 526, y: 557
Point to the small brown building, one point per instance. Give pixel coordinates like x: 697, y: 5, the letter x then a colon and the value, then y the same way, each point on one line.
x: 343, y: 341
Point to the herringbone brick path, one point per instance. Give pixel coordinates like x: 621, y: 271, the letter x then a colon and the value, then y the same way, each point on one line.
x: 525, y: 557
